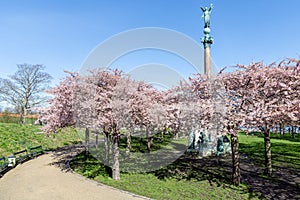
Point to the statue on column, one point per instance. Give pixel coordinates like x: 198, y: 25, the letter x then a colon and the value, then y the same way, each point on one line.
x: 206, y: 15
x: 207, y: 40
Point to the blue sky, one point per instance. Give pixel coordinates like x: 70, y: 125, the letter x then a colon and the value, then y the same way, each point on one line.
x: 60, y: 34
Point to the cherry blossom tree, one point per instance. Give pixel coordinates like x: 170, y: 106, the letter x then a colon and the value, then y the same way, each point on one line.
x: 273, y: 99
x: 60, y: 113
x: 267, y: 96
x: 146, y: 111
x: 250, y: 96
x: 107, y: 111
x: 221, y: 111
x: 236, y: 84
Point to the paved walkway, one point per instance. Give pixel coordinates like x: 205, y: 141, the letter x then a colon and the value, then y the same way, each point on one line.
x: 46, y: 178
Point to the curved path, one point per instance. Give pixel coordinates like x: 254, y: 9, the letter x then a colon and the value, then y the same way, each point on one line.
x: 46, y: 178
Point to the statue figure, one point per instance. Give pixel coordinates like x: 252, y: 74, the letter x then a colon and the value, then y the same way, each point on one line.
x: 197, y: 139
x: 191, y: 140
x: 220, y: 145
x: 206, y: 15
x: 202, y: 136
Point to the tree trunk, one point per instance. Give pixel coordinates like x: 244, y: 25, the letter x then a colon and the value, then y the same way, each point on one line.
x: 268, y: 163
x: 128, y: 145
x: 97, y: 140
x: 236, y: 176
x: 87, y: 141
x: 106, y: 146
x: 149, y: 140
x: 116, y: 164
x: 293, y: 132
x: 281, y: 130
x: 25, y: 115
x: 22, y: 119
x: 24, y: 110
x: 176, y: 135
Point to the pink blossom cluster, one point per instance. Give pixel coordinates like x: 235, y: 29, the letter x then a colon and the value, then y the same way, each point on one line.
x: 253, y: 95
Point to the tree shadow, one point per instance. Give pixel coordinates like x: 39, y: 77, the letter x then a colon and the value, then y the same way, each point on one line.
x: 187, y: 167
x: 285, y: 154
x: 284, y: 184
x: 62, y: 156
x: 90, y: 166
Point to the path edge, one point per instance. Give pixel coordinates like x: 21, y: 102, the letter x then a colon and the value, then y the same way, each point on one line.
x: 69, y: 169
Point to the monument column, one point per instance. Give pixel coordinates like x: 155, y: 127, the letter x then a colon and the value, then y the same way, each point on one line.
x: 207, y: 40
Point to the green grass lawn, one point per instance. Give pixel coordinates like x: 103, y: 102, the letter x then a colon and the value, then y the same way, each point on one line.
x: 194, y: 178
x: 182, y: 179
x: 15, y: 137
x: 179, y: 180
x: 154, y: 186
x: 285, y: 150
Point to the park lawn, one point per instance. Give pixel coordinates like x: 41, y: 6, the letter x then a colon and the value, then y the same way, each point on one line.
x: 285, y: 151
x: 188, y: 185
x: 153, y: 186
x: 15, y: 137
x: 178, y: 180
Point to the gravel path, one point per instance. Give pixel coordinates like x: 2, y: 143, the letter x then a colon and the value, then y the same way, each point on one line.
x: 46, y: 178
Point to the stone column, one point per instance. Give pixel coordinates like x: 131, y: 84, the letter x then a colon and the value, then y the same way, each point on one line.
x: 207, y: 67
x: 207, y: 40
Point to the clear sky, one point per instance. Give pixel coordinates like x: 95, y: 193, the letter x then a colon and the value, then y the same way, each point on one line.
x: 60, y: 33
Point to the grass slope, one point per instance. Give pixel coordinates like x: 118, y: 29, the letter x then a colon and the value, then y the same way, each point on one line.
x: 15, y: 137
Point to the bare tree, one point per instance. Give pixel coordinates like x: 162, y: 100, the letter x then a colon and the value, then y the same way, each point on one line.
x: 23, y: 89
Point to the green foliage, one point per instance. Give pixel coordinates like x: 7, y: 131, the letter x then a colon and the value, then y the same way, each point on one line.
x: 15, y: 137
x: 285, y: 153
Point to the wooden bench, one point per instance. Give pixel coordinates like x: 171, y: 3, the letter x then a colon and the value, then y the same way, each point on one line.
x: 35, y: 151
x: 21, y: 156
x: 3, y: 164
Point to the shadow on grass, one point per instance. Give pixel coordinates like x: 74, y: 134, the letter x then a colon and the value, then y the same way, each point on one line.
x: 62, y: 156
x: 89, y: 166
x: 208, y: 168
x: 139, y: 144
x: 187, y: 168
x: 280, y: 186
x: 283, y: 154
x: 284, y: 184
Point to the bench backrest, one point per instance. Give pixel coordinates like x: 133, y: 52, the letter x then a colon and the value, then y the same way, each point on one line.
x: 19, y: 152
x: 37, y: 147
